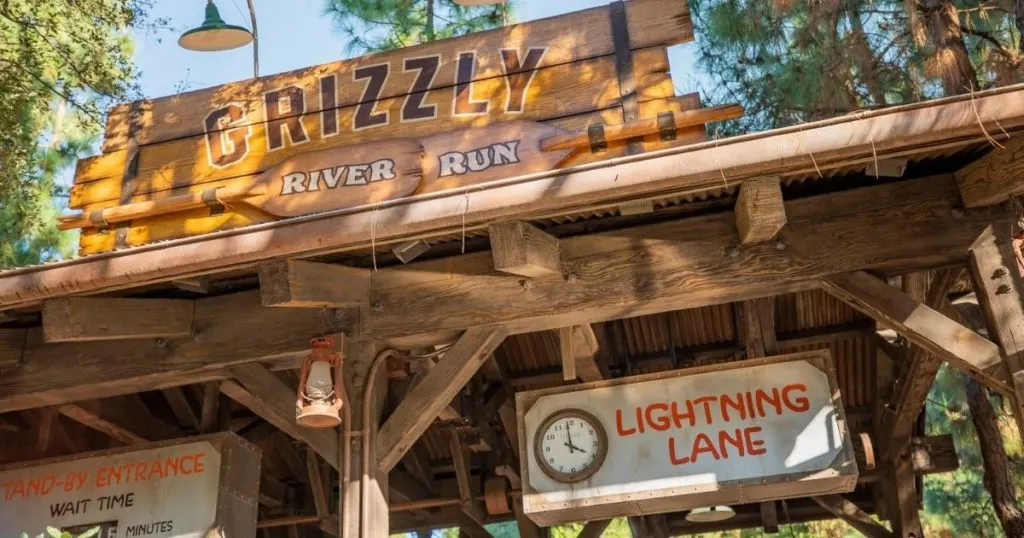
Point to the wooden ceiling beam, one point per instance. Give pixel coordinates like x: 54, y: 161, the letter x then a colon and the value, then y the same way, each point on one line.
x: 124, y: 418
x: 594, y: 529
x: 267, y: 396
x: 579, y: 349
x: 460, y: 460
x: 993, y: 178
x: 426, y: 400
x: 82, y: 319
x: 182, y: 408
x: 921, y: 324
x: 302, y: 284
x: 853, y: 515
x: 525, y: 250
x: 760, y: 211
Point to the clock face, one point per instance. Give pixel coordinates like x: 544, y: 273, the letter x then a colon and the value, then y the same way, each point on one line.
x: 571, y: 445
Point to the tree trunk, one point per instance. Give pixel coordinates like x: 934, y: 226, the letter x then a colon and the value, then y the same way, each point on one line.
x: 998, y: 480
x: 429, y: 30
x: 1018, y: 11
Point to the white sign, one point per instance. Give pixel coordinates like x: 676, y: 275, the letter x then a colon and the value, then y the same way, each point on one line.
x: 167, y: 491
x: 700, y: 437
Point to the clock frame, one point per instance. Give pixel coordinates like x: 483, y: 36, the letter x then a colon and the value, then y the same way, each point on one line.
x: 595, y: 465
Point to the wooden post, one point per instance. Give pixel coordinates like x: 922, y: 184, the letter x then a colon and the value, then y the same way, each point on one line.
x: 760, y: 211
x: 760, y: 341
x: 522, y: 249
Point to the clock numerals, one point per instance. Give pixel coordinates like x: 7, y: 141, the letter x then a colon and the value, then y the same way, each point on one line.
x: 571, y: 445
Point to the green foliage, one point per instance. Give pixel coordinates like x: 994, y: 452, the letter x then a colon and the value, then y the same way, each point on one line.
x: 61, y: 63
x: 376, y: 25
x: 52, y: 532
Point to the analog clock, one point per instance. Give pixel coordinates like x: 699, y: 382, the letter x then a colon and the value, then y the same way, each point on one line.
x: 570, y: 445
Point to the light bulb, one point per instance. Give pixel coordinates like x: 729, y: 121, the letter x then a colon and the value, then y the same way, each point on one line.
x: 319, y: 384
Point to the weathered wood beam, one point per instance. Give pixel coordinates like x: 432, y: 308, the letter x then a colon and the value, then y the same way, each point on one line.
x: 460, y: 460
x: 427, y: 399
x: 852, y: 515
x: 267, y: 396
x: 12, y: 347
x: 317, y: 486
x: 994, y: 178
x: 210, y: 408
x: 522, y: 249
x: 579, y: 354
x: 124, y: 418
x: 760, y: 211
x: 759, y: 340
x: 527, y: 528
x: 769, y: 517
x: 78, y: 319
x: 181, y: 407
x: 303, y: 284
x: 924, y: 326
x: 1000, y: 291
x: 594, y: 529
x: 686, y: 264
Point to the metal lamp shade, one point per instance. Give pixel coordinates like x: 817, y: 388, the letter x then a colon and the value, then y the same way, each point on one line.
x: 214, y: 34
x: 710, y: 514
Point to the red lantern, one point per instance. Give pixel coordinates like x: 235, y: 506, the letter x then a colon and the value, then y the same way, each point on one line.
x: 319, y: 400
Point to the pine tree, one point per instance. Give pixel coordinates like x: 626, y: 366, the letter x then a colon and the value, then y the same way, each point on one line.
x: 377, y: 25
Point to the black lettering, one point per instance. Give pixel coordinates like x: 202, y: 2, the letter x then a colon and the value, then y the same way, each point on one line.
x: 328, y: 106
x: 414, y: 109
x: 519, y: 75
x: 464, y: 103
x: 365, y: 117
x: 284, y: 109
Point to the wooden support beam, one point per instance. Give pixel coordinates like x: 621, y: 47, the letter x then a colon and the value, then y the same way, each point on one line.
x: 460, y: 460
x: 522, y: 249
x: 594, y: 529
x: 124, y: 418
x: 924, y: 326
x: 44, y: 432
x: 303, y: 284
x: 210, y: 407
x: 317, y: 486
x: 527, y: 528
x: 181, y: 407
x: 370, y: 520
x: 760, y: 211
x: 994, y: 178
x: 12, y: 347
x: 426, y: 400
x: 853, y: 515
x: 769, y: 517
x: 431, y: 299
x: 1000, y: 290
x: 78, y: 319
x: 579, y: 354
x: 267, y: 396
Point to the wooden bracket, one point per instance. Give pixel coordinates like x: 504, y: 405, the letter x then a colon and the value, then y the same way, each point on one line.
x: 760, y: 210
x: 298, y: 283
x: 522, y: 249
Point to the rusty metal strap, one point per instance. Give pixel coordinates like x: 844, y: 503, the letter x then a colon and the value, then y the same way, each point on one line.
x: 624, y: 68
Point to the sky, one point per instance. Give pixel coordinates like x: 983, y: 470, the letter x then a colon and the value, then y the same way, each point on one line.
x: 293, y: 34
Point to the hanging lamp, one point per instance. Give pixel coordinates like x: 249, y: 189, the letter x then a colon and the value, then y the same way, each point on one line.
x: 215, y: 34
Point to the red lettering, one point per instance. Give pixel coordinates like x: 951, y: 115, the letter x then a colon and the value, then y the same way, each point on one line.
x: 618, y: 425
x: 660, y: 422
x: 678, y: 417
x: 750, y: 403
x: 798, y: 404
x: 702, y: 444
x: 736, y: 404
x: 640, y: 419
x: 187, y: 469
x: 772, y: 400
x: 200, y: 465
x: 675, y: 460
x: 737, y: 442
x: 755, y: 447
x: 706, y: 401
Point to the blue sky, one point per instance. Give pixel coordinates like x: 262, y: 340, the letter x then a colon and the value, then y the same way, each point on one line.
x: 293, y: 34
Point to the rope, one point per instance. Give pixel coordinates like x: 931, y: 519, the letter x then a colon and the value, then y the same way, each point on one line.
x: 373, y: 234
x: 465, y: 211
x: 874, y: 154
x: 977, y: 116
x: 719, y: 163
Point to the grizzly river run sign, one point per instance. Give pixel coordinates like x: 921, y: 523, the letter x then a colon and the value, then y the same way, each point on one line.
x: 179, y: 489
x: 762, y: 429
x: 525, y: 98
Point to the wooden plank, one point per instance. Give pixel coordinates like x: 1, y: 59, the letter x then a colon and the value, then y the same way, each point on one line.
x: 316, y: 483
x: 460, y: 461
x: 235, y: 329
x: 210, y: 407
x: 853, y: 515
x: 298, y: 283
x: 72, y: 319
x: 594, y: 529
x: 993, y: 178
x: 267, y: 396
x: 181, y: 407
x: 760, y: 341
x: 187, y: 160
x: 426, y: 400
x: 760, y: 211
x: 922, y: 325
x: 121, y: 417
x: 568, y: 38
x: 527, y: 528
x: 997, y: 279
x: 769, y: 517
x: 522, y: 249
x: 579, y: 354
x: 12, y: 346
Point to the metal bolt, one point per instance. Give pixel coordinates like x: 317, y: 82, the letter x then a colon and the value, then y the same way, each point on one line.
x: 160, y: 342
x: 999, y: 273
x: 732, y: 252
x: 526, y: 283
x: 780, y: 244
x: 378, y: 307
x: 1003, y: 288
x: 958, y: 212
x: 571, y: 278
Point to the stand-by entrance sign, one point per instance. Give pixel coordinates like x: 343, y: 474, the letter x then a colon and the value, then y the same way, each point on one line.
x: 181, y: 489
x: 736, y: 433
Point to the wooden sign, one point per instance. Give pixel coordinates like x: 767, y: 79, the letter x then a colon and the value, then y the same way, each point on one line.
x: 735, y: 433
x: 544, y: 75
x: 179, y: 489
